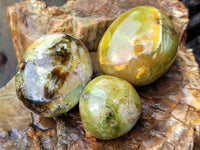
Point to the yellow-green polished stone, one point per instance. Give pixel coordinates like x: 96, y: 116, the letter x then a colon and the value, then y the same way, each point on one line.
x: 109, y: 107
x: 139, y: 46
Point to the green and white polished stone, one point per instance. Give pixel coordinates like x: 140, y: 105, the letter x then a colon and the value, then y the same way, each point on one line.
x: 52, y: 74
x: 109, y: 107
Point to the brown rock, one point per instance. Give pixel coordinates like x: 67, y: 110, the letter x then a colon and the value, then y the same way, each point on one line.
x: 96, y: 69
x: 84, y: 19
x: 13, y: 113
x: 162, y: 125
x: 170, y: 107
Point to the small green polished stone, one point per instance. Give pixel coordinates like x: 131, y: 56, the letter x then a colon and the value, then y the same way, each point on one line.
x: 139, y: 46
x: 52, y: 74
x: 109, y: 107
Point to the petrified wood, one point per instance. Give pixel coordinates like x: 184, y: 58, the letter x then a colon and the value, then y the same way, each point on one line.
x: 170, y: 116
x: 84, y: 19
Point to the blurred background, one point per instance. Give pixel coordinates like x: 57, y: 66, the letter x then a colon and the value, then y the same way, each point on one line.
x: 8, y: 61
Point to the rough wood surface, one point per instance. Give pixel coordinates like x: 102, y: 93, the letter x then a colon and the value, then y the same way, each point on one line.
x: 170, y: 117
x: 84, y: 19
x: 171, y: 106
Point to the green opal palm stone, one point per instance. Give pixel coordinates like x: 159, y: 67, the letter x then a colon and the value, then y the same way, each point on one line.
x: 139, y: 46
x: 52, y: 74
x: 109, y: 107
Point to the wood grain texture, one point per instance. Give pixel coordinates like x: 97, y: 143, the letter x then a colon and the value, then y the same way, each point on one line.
x: 170, y: 117
x: 170, y: 106
x: 86, y: 20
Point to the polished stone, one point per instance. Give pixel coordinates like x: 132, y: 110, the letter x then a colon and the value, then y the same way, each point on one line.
x: 139, y: 46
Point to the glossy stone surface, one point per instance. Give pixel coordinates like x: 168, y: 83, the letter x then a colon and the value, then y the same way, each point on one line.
x: 52, y: 74
x: 109, y: 107
x: 139, y: 46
